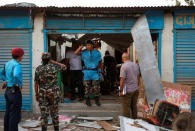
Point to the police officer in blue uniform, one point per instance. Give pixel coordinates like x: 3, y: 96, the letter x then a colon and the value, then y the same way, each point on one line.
x: 11, y: 74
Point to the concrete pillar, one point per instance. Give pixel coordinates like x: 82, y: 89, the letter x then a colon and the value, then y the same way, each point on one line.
x: 37, y: 50
x: 167, y: 61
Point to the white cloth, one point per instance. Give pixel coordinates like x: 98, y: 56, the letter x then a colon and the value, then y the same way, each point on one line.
x: 74, y: 60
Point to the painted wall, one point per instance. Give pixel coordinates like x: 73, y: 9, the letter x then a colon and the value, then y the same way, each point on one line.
x: 167, y: 49
x: 15, y: 19
x: 37, y: 49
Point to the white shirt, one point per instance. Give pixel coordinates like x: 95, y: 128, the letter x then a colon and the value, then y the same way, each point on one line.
x: 74, y: 60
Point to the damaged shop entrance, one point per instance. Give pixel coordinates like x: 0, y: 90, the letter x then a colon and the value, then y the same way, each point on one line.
x: 60, y: 43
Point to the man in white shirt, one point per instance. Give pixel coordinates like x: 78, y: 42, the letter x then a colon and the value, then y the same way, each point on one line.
x: 75, y: 72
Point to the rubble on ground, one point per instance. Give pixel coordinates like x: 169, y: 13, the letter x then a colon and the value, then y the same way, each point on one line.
x: 73, y: 123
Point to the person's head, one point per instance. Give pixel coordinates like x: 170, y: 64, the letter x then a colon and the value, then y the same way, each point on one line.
x: 107, y: 53
x: 74, y: 44
x: 17, y: 54
x: 45, y: 58
x: 97, y: 44
x: 184, y: 122
x: 125, y: 57
x: 89, y: 45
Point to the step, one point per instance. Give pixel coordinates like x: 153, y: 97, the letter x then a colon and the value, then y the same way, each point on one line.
x: 80, y: 109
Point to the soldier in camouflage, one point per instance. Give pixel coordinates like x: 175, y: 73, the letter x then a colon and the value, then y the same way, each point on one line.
x: 47, y: 90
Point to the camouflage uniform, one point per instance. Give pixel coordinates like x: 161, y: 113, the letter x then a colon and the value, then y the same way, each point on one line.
x: 92, y: 86
x: 46, y: 77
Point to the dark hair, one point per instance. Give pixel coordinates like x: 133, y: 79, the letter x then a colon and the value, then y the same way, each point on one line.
x: 73, y: 40
x: 89, y: 42
x: 45, y: 61
x: 15, y: 57
x: 107, y: 53
x: 182, y: 124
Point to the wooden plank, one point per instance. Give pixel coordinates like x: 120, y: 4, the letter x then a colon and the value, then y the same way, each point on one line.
x: 106, y: 126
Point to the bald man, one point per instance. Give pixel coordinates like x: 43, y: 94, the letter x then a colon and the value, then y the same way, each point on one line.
x: 129, y: 81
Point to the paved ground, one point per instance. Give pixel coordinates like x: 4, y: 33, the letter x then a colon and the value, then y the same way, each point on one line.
x: 111, y: 106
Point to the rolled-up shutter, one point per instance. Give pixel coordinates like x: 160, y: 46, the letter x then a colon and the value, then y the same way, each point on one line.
x: 185, y: 59
x: 17, y: 39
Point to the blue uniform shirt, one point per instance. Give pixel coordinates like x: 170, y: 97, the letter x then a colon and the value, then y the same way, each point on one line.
x: 91, y: 61
x: 12, y: 73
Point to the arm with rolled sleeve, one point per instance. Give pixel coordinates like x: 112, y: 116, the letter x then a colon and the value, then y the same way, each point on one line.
x: 2, y: 74
x: 17, y: 74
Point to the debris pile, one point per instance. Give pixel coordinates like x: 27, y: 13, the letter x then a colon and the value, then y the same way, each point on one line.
x: 74, y: 123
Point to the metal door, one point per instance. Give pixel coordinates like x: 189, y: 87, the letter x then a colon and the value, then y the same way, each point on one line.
x: 17, y: 39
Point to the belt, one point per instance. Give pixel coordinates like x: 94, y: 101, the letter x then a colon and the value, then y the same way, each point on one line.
x: 13, y: 87
x: 93, y: 69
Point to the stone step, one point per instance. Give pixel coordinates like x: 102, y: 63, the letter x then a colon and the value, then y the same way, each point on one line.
x: 83, y: 106
x: 80, y: 109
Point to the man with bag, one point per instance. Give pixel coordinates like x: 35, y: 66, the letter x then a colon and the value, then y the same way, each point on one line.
x: 11, y: 74
x: 47, y: 90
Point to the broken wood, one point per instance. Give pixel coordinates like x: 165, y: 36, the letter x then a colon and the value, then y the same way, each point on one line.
x: 136, y: 124
x: 106, y: 126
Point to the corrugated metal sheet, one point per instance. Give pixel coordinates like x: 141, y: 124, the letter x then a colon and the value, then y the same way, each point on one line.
x: 99, y: 8
x: 101, y: 21
x: 17, y: 39
x: 89, y: 23
x: 185, y: 58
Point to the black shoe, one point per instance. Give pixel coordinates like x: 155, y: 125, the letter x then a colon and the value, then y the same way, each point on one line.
x: 88, y: 102
x: 97, y: 101
x: 56, y: 128
x: 44, y: 128
x: 81, y: 99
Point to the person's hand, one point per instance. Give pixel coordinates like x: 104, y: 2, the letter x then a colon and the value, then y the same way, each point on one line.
x: 20, y: 88
x: 37, y: 97
x: 81, y: 46
x: 120, y: 93
x: 62, y: 65
x: 4, y: 85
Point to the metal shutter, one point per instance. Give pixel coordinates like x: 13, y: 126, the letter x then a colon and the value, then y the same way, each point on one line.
x: 17, y: 39
x: 185, y: 59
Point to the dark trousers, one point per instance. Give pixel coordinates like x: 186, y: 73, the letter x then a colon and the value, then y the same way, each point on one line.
x: 13, y: 109
x: 77, y: 81
x: 129, y: 103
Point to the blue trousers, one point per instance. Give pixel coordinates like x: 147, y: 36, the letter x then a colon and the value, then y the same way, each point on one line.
x: 13, y: 109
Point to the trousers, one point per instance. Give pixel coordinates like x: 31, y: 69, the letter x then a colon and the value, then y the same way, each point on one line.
x: 129, y: 103
x: 92, y: 87
x: 13, y: 109
x: 48, y: 103
x: 77, y: 81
